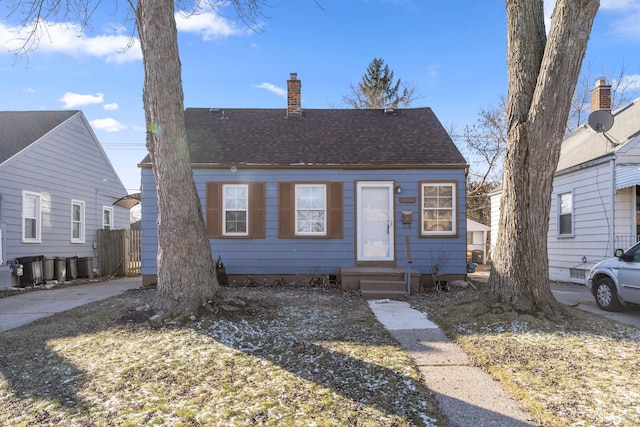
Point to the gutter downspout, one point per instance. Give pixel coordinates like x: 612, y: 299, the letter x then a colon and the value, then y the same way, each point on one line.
x: 612, y: 234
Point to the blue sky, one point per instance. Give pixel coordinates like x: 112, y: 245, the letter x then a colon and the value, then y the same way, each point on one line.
x: 453, y: 52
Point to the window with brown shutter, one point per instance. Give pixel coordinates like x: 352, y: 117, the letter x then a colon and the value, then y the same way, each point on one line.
x: 310, y: 210
x: 243, y: 215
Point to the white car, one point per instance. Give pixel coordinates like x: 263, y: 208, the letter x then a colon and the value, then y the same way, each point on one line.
x: 615, y: 282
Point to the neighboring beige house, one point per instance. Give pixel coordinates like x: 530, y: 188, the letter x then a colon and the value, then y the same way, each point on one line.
x: 595, y: 204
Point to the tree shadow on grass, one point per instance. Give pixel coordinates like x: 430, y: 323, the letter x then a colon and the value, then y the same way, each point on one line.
x: 329, y: 342
x: 36, y: 372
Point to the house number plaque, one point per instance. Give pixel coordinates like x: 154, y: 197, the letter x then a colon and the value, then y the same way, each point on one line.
x: 407, y: 200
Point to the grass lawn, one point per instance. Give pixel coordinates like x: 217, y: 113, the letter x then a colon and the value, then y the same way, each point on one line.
x: 303, y: 357
x: 294, y: 357
x: 581, y: 370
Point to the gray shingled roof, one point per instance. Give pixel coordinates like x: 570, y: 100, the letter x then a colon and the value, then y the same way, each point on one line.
x: 585, y: 144
x: 19, y: 129
x: 406, y: 137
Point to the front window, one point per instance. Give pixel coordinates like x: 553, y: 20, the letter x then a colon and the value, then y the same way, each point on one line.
x: 565, y: 214
x: 77, y: 221
x: 438, y: 209
x: 236, y: 207
x: 107, y: 218
x: 31, y: 217
x: 311, y: 209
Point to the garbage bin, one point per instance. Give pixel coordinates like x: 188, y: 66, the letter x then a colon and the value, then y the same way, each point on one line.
x: 60, y: 269
x: 31, y: 270
x: 47, y: 268
x: 478, y: 256
x: 471, y: 267
x: 72, y: 269
x: 16, y: 272
x: 85, y: 267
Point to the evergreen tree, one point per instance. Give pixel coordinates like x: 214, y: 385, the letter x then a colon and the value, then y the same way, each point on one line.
x: 377, y: 89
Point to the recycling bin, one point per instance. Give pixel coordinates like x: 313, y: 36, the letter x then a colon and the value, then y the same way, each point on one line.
x: 72, y: 268
x: 60, y: 269
x: 85, y: 267
x: 47, y: 268
x: 31, y: 270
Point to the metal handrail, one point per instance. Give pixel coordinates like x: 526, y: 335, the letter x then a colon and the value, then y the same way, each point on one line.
x: 407, y: 270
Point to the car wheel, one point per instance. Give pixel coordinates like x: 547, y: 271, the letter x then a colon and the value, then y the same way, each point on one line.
x: 606, y: 295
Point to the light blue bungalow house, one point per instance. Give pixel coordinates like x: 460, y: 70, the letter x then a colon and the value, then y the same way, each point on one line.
x: 294, y: 194
x: 57, y: 186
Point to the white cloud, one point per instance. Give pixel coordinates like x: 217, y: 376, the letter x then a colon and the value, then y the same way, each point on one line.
x: 72, y: 100
x: 112, y: 106
x: 29, y: 90
x: 70, y: 39
x: 207, y: 23
x: 630, y: 82
x: 273, y: 88
x: 623, y: 16
x: 618, y: 4
x: 626, y: 23
x: 433, y: 70
x: 114, y: 45
x: 107, y: 125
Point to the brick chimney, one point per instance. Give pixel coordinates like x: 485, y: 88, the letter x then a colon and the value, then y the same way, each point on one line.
x: 601, y: 96
x: 294, y: 88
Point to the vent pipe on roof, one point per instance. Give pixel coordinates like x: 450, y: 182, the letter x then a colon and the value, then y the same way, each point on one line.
x: 294, y: 94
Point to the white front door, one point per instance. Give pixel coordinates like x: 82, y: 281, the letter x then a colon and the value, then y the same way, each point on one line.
x: 375, y: 221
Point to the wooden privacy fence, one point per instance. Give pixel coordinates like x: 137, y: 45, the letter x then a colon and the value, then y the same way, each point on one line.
x: 119, y: 252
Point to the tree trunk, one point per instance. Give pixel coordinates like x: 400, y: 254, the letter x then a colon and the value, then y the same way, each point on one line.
x: 186, y: 274
x: 542, y: 77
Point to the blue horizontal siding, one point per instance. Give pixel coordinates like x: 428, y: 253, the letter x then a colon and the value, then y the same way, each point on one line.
x: 307, y: 256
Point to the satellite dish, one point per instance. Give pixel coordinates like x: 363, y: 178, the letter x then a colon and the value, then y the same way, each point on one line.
x: 601, y: 120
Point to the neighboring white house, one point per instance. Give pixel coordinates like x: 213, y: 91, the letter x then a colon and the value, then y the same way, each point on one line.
x: 477, y: 241
x: 595, y: 205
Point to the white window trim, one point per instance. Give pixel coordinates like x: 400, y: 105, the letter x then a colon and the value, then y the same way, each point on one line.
x: 38, y: 218
x: 81, y: 239
x: 560, y: 214
x: 224, y: 211
x: 324, y: 207
x: 454, y: 209
x: 111, y: 211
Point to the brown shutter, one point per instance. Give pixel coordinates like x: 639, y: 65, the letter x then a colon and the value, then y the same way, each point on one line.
x: 285, y: 210
x: 257, y: 210
x: 214, y: 221
x: 334, y: 208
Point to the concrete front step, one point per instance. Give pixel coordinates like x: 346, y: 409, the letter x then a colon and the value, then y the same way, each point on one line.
x: 352, y: 277
x: 379, y: 289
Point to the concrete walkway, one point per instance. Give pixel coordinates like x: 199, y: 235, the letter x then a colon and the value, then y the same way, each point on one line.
x: 18, y: 310
x: 467, y: 395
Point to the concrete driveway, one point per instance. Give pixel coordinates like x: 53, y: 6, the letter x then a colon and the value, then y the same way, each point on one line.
x: 18, y: 310
x: 580, y: 296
